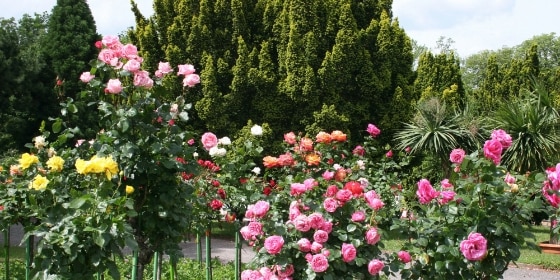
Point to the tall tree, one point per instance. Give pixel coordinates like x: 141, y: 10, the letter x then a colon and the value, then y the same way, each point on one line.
x: 26, y: 96
x: 69, y: 44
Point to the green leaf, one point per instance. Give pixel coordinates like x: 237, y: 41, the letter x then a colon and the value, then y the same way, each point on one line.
x: 184, y: 116
x: 78, y: 202
x: 57, y: 126
x: 351, y: 228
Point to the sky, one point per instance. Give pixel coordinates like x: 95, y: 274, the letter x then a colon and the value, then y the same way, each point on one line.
x: 473, y: 25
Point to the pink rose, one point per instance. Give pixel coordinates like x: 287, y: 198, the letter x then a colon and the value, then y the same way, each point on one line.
x: 142, y: 79
x: 373, y: 200
x: 457, y: 156
x: 209, y: 140
x: 284, y: 272
x: 551, y: 194
x: 320, y: 236
x: 348, y: 252
x: 358, y: 216
x: 191, y: 80
x: 343, y: 195
x: 132, y: 66
x: 373, y: 130
x: 304, y: 245
x: 404, y: 256
x: 375, y: 266
x: 319, y: 263
x: 114, y: 86
x: 86, y: 77
x: 301, y: 223
x: 273, y: 244
x: 509, y: 179
x: 316, y: 247
x: 330, y: 204
x: 251, y: 275
x: 260, y: 209
x: 316, y: 220
x: 163, y: 68
x: 185, y: 69
x: 297, y: 188
x: 286, y: 159
x: 389, y: 154
x: 446, y: 184
x: 493, y: 150
x: 255, y: 228
x: 106, y: 55
x: 426, y: 192
x: 327, y: 226
x: 294, y: 210
x: 372, y: 236
x: 446, y: 196
x: 331, y: 191
x: 359, y: 151
x: 111, y: 41
x: 474, y: 247
x: 290, y: 138
x: 503, y: 137
x: 328, y: 175
x: 129, y: 51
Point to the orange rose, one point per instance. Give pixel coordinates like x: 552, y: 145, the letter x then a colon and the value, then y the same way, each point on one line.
x: 312, y: 159
x: 323, y: 137
x: 337, y: 135
x: 270, y: 162
x: 340, y: 174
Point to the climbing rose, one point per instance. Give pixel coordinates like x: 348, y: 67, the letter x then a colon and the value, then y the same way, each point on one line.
x: 474, y: 247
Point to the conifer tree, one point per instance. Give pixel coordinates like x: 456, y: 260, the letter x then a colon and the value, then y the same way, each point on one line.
x: 69, y: 44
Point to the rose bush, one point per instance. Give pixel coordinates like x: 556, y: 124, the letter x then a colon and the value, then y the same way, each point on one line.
x: 142, y: 128
x: 77, y: 207
x: 322, y: 218
x: 471, y: 225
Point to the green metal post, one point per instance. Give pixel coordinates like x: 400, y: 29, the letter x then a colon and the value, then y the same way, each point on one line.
x: 173, y: 263
x: 199, y: 248
x: 134, y: 265
x: 28, y: 257
x: 208, y: 254
x: 7, y: 252
x: 237, y: 255
x: 156, y: 265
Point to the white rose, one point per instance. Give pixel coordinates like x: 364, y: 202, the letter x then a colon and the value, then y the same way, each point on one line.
x: 39, y: 142
x: 256, y: 130
x: 217, y: 152
x: 224, y: 141
x: 256, y: 170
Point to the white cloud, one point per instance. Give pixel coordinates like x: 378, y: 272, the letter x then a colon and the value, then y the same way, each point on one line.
x: 477, y: 25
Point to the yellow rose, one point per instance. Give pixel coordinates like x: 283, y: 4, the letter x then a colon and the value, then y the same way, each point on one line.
x: 39, y: 183
x: 81, y: 166
x: 55, y: 163
x: 111, y: 167
x: 129, y: 189
x: 27, y: 160
x: 96, y: 165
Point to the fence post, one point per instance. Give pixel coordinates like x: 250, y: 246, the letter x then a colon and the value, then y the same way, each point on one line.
x: 199, y: 249
x: 7, y: 252
x: 156, y: 264
x: 237, y: 254
x: 208, y: 253
x: 134, y: 265
x: 28, y: 257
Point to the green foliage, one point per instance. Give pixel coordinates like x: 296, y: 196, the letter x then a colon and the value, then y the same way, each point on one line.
x: 532, y: 120
x: 483, y: 203
x: 269, y: 61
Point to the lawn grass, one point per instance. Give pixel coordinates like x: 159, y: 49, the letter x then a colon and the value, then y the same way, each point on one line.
x: 532, y: 257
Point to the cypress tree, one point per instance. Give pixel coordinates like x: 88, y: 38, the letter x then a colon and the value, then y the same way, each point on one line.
x: 69, y: 44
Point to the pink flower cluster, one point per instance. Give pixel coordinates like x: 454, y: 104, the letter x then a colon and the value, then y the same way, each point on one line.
x: 426, y: 192
x: 125, y: 57
x: 275, y: 273
x: 474, y: 247
x: 499, y: 142
x: 551, y: 186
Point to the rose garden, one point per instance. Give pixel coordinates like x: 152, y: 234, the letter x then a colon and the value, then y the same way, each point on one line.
x: 316, y: 207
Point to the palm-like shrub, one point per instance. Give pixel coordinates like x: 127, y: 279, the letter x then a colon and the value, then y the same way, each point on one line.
x: 435, y: 131
x: 532, y: 121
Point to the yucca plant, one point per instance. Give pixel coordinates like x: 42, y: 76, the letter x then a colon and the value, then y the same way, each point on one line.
x: 532, y: 121
x: 435, y: 132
